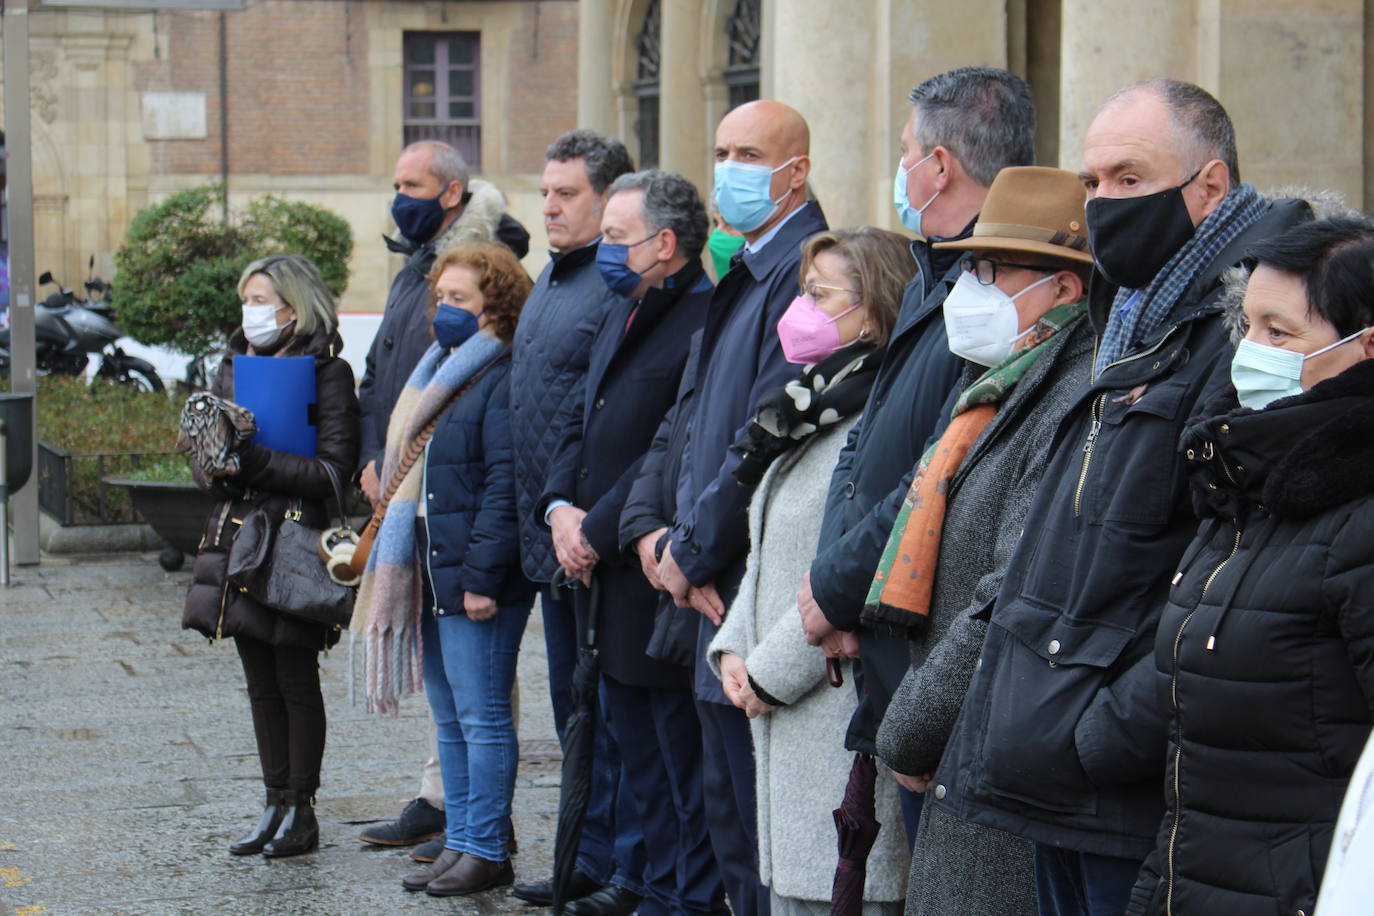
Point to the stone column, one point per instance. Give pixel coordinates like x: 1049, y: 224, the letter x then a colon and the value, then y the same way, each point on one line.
x: 848, y: 69
x: 682, y: 142
x: 1107, y: 46
x: 1292, y: 78
x: 595, y: 107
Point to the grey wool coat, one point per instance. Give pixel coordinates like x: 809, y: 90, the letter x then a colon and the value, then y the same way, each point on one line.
x: 960, y: 867
x: 800, y: 763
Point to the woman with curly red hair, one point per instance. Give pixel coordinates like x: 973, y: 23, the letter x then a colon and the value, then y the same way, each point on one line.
x: 443, y: 585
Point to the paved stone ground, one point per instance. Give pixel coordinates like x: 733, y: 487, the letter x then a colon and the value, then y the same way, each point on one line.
x: 129, y: 764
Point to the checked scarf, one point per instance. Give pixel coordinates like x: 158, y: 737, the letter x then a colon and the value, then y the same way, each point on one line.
x: 387, y: 611
x: 899, y: 599
x: 1136, y: 314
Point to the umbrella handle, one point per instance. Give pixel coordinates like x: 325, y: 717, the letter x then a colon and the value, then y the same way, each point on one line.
x: 833, y: 673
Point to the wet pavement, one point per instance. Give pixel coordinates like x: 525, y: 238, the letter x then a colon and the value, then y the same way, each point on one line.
x: 129, y: 764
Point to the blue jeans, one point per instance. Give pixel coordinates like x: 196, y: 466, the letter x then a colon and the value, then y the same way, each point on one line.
x: 469, y: 669
x: 1070, y: 883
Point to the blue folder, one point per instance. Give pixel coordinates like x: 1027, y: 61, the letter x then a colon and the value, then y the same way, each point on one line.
x: 280, y: 391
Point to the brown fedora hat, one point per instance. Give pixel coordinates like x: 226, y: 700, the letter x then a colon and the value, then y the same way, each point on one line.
x: 1033, y: 210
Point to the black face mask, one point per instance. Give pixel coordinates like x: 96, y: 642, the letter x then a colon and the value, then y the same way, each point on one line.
x: 1133, y: 237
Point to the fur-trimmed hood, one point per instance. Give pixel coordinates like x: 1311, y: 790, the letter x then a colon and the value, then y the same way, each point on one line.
x: 1296, y: 458
x: 483, y: 208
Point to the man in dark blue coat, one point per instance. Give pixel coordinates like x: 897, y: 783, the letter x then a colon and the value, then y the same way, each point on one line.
x: 437, y: 205
x: 652, y: 235
x: 762, y: 163
x: 965, y: 126
x: 553, y: 345
x: 1062, y: 735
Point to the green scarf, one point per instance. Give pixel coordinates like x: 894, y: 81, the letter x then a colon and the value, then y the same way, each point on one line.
x: 898, y: 601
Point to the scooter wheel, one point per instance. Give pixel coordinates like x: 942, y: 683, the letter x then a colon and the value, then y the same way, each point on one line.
x: 171, y: 559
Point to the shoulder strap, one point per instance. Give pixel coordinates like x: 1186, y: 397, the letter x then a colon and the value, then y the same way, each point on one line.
x: 417, y: 445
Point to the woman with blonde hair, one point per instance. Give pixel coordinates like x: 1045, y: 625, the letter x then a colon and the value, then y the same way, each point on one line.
x: 852, y: 282
x: 287, y: 311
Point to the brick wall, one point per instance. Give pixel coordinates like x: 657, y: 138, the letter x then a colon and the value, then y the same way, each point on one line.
x: 297, y: 87
x: 543, y: 81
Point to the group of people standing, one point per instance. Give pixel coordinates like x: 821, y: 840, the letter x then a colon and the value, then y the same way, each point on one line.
x: 1043, y: 530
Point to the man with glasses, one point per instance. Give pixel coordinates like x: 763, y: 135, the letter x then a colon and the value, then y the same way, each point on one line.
x: 965, y: 126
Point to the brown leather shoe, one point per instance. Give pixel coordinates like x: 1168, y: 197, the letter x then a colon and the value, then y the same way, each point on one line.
x: 419, y: 880
x: 470, y: 875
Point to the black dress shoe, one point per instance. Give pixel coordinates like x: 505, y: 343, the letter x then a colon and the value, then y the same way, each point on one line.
x: 419, y: 821
x: 299, y: 831
x: 419, y: 880
x: 540, y: 893
x: 267, y: 826
x: 609, y: 901
x: 470, y: 875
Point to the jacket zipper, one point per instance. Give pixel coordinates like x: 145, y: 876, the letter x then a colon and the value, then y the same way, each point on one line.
x: 1178, y: 748
x: 223, y: 599
x: 1093, y: 431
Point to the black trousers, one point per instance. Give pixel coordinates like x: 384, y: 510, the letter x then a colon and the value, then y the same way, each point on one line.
x: 731, y: 806
x: 288, y: 712
x: 660, y: 744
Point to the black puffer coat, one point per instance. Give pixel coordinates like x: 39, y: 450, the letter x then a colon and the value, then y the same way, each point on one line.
x: 1265, y: 652
x: 271, y: 479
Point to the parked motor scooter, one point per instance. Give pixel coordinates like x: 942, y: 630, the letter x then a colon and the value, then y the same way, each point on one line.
x: 67, y: 329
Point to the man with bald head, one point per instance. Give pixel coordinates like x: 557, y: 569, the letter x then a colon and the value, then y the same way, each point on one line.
x: 762, y: 164
x: 1061, y: 738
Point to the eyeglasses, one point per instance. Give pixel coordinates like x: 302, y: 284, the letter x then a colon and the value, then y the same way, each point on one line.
x: 811, y: 291
x: 985, y: 269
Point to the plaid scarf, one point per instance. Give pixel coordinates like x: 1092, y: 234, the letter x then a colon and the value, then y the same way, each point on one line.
x: 1137, y: 314
x: 899, y: 599
x: 387, y: 611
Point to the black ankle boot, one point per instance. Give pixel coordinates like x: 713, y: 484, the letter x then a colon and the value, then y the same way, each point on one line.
x: 267, y: 825
x: 299, y: 831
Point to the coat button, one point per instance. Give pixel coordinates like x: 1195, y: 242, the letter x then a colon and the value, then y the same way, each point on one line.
x: 431, y: 496
x: 434, y: 553
x: 849, y: 490
x: 600, y: 403
x: 696, y: 548
x: 529, y: 339
x: 978, y: 665
x: 940, y: 792
x: 1053, y: 647
x: 583, y: 473
x: 388, y: 343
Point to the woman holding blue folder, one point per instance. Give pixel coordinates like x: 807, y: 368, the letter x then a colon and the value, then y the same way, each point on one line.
x: 287, y: 312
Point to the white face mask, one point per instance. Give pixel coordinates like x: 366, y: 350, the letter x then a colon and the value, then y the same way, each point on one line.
x: 260, y: 324
x: 981, y: 321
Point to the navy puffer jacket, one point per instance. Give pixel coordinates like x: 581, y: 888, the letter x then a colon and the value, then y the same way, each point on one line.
x: 468, y: 532
x: 1264, y: 657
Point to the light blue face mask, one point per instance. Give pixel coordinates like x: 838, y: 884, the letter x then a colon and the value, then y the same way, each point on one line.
x: 909, y: 215
x: 1263, y: 374
x: 742, y: 193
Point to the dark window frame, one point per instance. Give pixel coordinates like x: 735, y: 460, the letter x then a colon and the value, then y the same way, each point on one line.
x: 463, y: 133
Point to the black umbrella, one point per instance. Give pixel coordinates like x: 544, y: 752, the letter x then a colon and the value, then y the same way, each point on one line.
x: 856, y: 823
x: 579, y: 739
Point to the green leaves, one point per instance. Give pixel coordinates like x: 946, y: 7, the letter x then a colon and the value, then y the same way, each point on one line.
x: 179, y: 269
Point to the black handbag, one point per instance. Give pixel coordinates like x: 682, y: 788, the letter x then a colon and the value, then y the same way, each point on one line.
x: 276, y: 561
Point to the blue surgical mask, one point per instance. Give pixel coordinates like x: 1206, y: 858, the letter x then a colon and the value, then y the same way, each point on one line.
x: 612, y: 260
x: 453, y: 325
x: 742, y: 193
x: 417, y: 218
x: 909, y: 215
x: 1263, y: 374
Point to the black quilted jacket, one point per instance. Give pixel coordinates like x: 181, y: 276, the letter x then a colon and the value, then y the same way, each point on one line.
x: 1265, y: 652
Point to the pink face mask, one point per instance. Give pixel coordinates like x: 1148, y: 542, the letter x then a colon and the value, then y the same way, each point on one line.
x: 808, y: 332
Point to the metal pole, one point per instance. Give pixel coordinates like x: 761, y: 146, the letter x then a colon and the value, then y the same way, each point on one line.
x: 19, y: 147
x: 4, y: 504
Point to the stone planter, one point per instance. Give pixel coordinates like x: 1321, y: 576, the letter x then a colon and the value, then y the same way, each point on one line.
x: 176, y: 511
